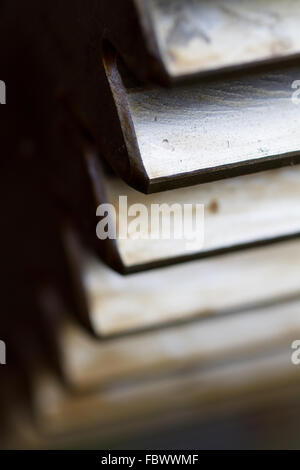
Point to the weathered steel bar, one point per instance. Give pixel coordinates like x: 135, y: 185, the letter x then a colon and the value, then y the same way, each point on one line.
x: 211, y: 218
x: 198, y: 36
x: 157, y: 138
x: 112, y: 304
x: 88, y: 364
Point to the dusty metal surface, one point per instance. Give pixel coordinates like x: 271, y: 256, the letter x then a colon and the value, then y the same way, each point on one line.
x: 204, y: 130
x: 238, y: 212
x: 163, y: 40
x: 205, y: 35
x: 155, y: 138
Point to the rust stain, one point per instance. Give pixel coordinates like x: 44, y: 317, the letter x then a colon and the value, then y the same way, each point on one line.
x: 213, y: 206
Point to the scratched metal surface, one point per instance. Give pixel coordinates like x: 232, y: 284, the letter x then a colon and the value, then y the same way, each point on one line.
x: 238, y: 211
x: 199, y: 35
x: 222, y: 123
